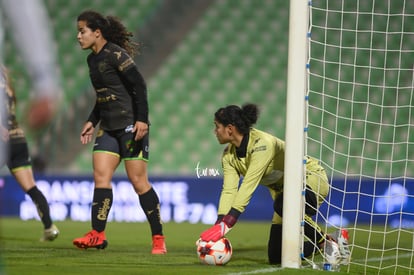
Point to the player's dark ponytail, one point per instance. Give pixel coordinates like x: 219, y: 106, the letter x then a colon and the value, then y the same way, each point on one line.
x: 242, y: 118
x: 250, y: 113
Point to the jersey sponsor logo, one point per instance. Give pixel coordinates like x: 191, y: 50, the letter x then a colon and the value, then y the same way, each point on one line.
x: 260, y: 148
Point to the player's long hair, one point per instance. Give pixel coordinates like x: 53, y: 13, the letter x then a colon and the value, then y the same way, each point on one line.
x: 242, y: 118
x: 112, y: 30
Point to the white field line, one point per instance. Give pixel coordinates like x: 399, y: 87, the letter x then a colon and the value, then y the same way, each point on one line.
x: 277, y: 269
x: 259, y: 271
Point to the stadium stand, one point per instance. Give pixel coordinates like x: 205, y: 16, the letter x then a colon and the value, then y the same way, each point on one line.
x: 226, y: 52
x: 197, y: 56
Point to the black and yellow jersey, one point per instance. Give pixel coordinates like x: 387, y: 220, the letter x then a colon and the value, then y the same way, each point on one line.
x: 121, y: 92
x: 16, y: 134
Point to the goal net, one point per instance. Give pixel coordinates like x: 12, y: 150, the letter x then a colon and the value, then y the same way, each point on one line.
x: 360, y: 121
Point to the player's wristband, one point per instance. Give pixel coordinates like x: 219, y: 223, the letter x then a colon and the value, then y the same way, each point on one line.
x: 219, y: 219
x: 229, y: 220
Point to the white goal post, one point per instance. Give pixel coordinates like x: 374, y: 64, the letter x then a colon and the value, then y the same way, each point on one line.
x: 353, y: 61
x: 294, y: 139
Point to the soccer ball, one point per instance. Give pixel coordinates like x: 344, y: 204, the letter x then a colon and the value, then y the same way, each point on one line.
x: 214, y: 253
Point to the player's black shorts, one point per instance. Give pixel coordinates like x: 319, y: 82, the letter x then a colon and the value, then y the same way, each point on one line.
x: 122, y: 143
x: 16, y: 150
x: 18, y: 156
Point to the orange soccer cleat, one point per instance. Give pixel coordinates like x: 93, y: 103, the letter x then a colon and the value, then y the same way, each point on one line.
x: 92, y: 239
x: 158, y: 245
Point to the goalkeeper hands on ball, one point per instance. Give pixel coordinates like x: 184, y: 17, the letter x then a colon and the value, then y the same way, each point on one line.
x: 222, y: 226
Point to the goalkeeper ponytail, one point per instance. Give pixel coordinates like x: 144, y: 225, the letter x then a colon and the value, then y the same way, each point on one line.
x: 242, y: 118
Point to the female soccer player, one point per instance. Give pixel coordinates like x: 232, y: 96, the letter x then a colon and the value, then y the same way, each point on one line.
x: 18, y: 158
x: 258, y: 157
x: 121, y: 108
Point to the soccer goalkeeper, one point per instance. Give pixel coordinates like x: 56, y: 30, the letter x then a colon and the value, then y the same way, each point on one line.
x: 258, y: 158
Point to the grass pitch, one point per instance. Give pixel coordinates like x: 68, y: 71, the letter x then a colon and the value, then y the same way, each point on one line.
x: 129, y: 249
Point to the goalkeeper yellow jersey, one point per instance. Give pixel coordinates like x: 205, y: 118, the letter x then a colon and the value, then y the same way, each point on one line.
x: 262, y: 162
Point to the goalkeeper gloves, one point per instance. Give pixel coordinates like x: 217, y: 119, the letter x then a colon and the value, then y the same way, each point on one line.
x: 217, y: 231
